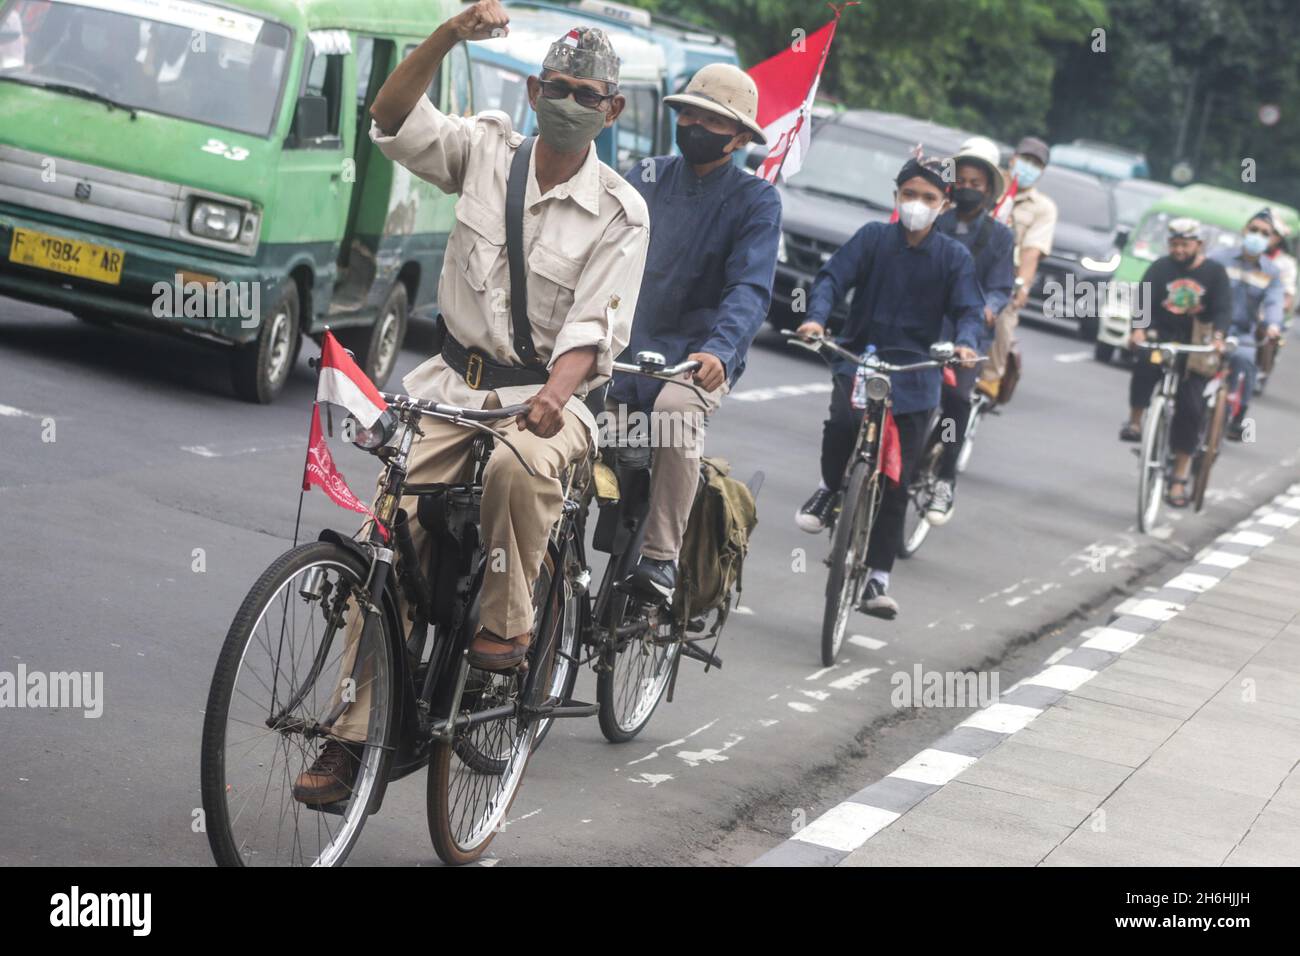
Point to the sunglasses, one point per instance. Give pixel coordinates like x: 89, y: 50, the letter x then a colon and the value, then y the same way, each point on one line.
x: 558, y: 90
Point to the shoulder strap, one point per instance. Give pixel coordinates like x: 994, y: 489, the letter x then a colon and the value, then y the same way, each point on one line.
x: 982, y: 238
x: 516, y: 188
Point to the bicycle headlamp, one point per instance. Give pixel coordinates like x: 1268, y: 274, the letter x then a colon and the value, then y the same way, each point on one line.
x: 877, y: 387
x: 377, y: 435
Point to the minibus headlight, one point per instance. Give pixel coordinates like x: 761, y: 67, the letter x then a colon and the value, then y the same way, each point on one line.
x: 216, y: 220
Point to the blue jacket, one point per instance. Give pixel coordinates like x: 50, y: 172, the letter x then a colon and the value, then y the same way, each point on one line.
x: 994, y: 268
x: 1256, y: 292
x: 708, y: 274
x: 901, y: 296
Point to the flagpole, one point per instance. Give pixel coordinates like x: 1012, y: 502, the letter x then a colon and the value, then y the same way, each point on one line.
x: 302, y: 485
x: 837, y: 9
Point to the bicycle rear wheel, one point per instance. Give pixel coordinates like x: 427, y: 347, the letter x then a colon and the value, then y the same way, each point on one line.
x: 636, y: 667
x: 278, y: 677
x: 1151, y: 474
x: 915, y: 526
x: 848, y: 548
x: 1209, y: 452
x: 977, y: 408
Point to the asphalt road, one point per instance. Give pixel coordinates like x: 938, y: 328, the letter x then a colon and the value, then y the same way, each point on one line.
x: 152, y: 459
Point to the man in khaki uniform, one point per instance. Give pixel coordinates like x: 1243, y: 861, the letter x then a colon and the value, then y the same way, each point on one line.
x: 1033, y: 221
x: 585, y: 233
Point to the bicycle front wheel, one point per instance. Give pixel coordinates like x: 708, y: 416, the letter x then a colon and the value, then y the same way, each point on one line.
x: 915, y: 526
x: 1209, y: 452
x: 848, y: 551
x: 636, y: 667
x: 1154, y: 451
x: 977, y: 408
x: 294, y: 653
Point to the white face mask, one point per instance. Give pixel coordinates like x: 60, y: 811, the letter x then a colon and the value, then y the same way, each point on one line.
x: 916, y: 215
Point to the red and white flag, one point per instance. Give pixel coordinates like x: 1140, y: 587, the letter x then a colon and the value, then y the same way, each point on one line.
x: 787, y: 86
x: 341, y: 382
x: 1002, y: 211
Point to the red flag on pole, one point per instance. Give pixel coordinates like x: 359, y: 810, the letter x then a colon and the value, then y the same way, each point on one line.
x: 891, y: 450
x: 320, y: 471
x: 787, y: 86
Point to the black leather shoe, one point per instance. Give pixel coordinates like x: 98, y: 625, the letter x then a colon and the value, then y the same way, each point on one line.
x: 653, y: 580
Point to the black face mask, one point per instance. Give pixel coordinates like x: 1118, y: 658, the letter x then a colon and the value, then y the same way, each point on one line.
x: 968, y: 200
x: 699, y: 145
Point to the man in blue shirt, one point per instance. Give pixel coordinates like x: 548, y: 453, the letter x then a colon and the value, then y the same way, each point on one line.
x: 714, y: 232
x: 977, y: 185
x: 1257, y: 296
x: 905, y: 278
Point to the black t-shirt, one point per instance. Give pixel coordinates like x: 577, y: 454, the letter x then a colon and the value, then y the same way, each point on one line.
x: 1176, y: 289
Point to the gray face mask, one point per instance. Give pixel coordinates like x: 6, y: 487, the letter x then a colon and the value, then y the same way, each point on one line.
x: 567, y: 127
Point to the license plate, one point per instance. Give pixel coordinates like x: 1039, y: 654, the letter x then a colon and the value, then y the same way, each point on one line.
x: 69, y: 256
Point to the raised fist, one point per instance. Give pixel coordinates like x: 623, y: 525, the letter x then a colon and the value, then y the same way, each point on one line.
x: 482, y: 21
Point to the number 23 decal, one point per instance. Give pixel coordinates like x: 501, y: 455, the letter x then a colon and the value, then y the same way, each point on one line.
x: 221, y: 149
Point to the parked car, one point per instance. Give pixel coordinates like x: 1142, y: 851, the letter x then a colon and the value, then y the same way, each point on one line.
x: 1101, y: 159
x: 1133, y: 197
x: 1222, y: 213
x: 846, y: 181
x: 1084, y: 250
x: 244, y: 172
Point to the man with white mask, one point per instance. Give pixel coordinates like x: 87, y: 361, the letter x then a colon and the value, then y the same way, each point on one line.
x: 905, y: 277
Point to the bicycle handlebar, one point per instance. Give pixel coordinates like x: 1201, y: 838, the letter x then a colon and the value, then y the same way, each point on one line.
x: 453, y: 411
x: 665, y: 374
x: 819, y: 343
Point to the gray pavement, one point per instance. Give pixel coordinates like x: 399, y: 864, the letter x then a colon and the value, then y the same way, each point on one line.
x: 131, y: 538
x: 1179, y: 744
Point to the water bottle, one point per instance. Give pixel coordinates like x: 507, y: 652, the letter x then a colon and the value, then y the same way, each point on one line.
x: 859, y: 399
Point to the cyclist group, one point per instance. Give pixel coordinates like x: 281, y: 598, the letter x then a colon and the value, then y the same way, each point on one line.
x: 679, y: 258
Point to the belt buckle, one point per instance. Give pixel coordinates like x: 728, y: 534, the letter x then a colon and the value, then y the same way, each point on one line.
x: 473, y: 370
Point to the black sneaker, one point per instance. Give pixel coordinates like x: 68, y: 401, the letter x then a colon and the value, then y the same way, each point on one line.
x: 876, y: 602
x: 1130, y: 433
x: 815, y: 514
x: 1236, y: 429
x: 653, y: 580
x: 939, y: 510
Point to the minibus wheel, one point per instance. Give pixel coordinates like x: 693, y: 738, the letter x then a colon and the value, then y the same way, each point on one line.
x: 259, y: 369
x: 378, y: 345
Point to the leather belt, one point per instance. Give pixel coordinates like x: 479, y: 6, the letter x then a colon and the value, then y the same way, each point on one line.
x: 481, y: 372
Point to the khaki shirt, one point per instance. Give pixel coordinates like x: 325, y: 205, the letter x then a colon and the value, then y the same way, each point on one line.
x: 1033, y: 220
x: 584, y: 246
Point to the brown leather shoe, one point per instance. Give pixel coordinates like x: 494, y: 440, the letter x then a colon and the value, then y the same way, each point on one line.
x: 331, y: 777
x: 490, y: 652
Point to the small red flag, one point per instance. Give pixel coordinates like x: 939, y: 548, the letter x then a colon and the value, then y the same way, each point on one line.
x: 949, y: 377
x: 320, y: 471
x: 891, y: 450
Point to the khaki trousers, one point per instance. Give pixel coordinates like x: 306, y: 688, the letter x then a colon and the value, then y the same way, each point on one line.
x: 678, y: 425
x: 516, y: 518
x: 1004, y: 332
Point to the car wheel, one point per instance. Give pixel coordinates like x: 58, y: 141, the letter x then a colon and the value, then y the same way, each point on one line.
x: 259, y: 369
x: 378, y: 345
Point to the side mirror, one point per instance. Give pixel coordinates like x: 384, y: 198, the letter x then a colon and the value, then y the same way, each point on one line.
x: 942, y: 351
x: 310, y: 119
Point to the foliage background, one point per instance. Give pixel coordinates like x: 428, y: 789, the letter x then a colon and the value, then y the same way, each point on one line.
x: 1009, y: 68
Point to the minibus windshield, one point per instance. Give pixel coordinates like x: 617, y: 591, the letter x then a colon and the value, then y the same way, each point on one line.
x: 183, y: 58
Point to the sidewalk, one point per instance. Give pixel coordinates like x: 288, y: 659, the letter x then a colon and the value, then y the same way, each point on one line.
x: 1171, y: 737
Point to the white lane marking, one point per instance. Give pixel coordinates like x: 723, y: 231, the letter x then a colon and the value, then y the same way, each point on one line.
x: 1002, y: 718
x: 1017, y: 600
x: 816, y: 694
x: 819, y: 674
x: 489, y: 861
x: 1224, y: 559
x: 654, y: 779
x: 1069, y: 358
x: 773, y: 696
x: 1290, y: 503
x: 1279, y: 520
x: 8, y: 411
x: 1187, y: 581
x: 1149, y: 608
x: 694, y: 758
x: 509, y: 823
x: 1251, y: 538
x: 207, y: 451
x: 870, y: 643
x: 801, y: 706
x: 1112, y: 639
x: 1062, y: 677
x: 672, y: 743
x: 742, y: 610
x: 934, y: 766
x: 846, y: 826
x: 768, y: 722
x: 780, y: 391
x: 855, y: 680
